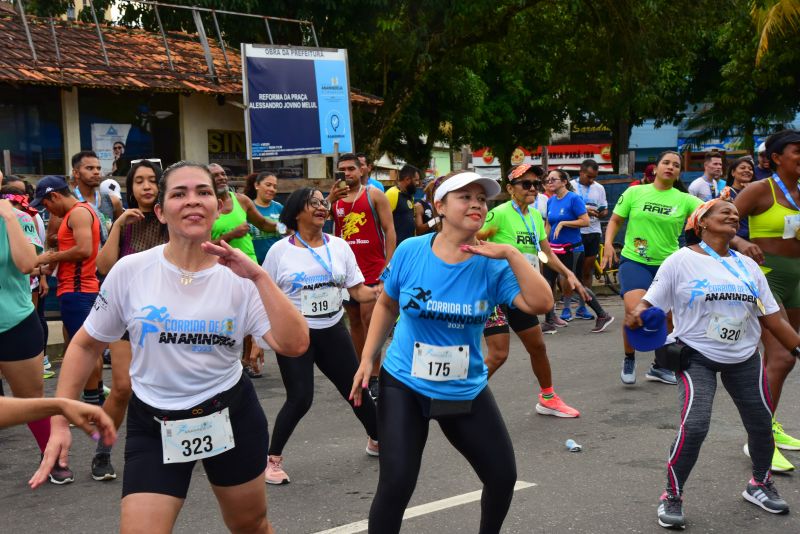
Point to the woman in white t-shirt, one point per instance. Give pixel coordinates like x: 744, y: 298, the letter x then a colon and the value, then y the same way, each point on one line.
x: 313, y: 269
x: 187, y: 306
x: 724, y: 301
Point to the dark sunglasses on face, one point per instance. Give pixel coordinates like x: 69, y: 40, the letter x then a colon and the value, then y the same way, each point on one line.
x: 527, y: 184
x: 316, y: 203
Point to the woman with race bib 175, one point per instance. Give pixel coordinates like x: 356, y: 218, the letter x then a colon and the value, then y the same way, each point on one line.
x: 444, y: 286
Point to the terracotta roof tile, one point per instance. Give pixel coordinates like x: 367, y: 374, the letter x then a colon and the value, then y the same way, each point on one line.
x: 137, y: 59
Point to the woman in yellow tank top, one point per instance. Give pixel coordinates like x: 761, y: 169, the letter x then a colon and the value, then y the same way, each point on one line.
x: 773, y: 208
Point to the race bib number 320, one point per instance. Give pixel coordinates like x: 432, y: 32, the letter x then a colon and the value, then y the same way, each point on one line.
x: 186, y: 440
x: 440, y: 364
x: 726, y: 329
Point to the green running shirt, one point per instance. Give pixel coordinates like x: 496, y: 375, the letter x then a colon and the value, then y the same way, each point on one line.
x: 655, y: 221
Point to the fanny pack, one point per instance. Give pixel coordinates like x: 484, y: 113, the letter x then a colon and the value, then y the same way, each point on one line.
x: 674, y: 356
x: 561, y: 248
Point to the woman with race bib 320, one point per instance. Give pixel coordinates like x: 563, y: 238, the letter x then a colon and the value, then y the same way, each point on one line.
x: 444, y: 286
x: 723, y: 300
x: 191, y: 400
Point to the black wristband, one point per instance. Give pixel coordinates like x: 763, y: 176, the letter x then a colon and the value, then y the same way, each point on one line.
x: 795, y: 352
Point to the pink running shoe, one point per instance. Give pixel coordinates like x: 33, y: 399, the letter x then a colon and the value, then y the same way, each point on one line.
x: 555, y: 406
x: 559, y: 322
x: 275, y: 473
x: 372, y: 447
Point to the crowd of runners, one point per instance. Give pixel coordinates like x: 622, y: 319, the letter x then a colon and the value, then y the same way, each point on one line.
x: 185, y: 286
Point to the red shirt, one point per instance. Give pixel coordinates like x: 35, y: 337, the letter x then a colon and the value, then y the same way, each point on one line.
x: 78, y: 276
x: 357, y: 223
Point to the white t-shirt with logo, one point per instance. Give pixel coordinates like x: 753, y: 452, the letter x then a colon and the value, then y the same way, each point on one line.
x: 594, y: 196
x: 702, y: 295
x: 186, y: 339
x: 295, y: 269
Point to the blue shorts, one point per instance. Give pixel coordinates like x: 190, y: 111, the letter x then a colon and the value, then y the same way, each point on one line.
x: 635, y: 275
x: 75, y: 308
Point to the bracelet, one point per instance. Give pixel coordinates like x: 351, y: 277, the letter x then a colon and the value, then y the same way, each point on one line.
x: 795, y: 352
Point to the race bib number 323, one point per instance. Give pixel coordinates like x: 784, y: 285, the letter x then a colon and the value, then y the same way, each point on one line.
x: 186, y: 440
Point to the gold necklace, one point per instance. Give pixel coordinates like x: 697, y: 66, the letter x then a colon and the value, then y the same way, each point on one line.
x: 186, y: 277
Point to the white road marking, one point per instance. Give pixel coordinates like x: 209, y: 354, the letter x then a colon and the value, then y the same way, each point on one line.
x: 422, y: 509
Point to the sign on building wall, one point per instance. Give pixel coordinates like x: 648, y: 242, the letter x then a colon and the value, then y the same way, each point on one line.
x: 104, y: 137
x: 567, y: 157
x: 298, y: 101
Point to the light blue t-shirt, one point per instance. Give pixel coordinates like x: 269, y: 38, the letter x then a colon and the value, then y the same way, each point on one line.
x: 376, y: 184
x: 568, y: 208
x: 443, y: 305
x: 262, y: 241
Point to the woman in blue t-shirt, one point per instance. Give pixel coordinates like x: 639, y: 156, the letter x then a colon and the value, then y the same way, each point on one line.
x: 566, y: 215
x: 444, y: 286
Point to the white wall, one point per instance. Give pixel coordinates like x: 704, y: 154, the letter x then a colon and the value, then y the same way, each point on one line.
x: 199, y: 114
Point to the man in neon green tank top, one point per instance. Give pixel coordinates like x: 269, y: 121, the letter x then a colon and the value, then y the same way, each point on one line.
x: 237, y: 210
x: 771, y: 206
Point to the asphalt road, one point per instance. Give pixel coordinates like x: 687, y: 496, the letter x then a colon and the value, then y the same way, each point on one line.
x: 613, y: 485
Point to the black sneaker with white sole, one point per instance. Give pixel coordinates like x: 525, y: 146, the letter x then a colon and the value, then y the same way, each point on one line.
x: 102, y: 468
x: 766, y: 496
x: 670, y: 512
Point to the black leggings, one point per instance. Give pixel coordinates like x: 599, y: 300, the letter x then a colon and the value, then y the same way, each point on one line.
x: 480, y: 436
x: 333, y: 352
x: 574, y: 262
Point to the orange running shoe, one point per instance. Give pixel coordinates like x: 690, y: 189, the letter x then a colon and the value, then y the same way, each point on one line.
x: 555, y: 406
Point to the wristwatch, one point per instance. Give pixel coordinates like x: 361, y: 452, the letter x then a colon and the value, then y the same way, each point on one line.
x: 795, y: 352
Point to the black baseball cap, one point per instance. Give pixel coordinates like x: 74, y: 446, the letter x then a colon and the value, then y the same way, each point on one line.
x: 47, y: 185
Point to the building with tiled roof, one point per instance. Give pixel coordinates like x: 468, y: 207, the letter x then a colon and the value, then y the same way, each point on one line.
x: 65, y: 89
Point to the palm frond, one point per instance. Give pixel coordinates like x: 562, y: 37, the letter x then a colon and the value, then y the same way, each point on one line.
x: 774, y: 18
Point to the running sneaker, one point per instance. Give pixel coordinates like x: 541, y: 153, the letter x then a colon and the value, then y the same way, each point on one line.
x: 602, y: 323
x: 274, y: 473
x: 549, y: 328
x: 583, y: 313
x: 782, y: 439
x: 555, y: 406
x: 61, y: 475
x: 102, y: 468
x: 46, y: 362
x: 659, y: 374
x: 765, y: 495
x: 48, y: 374
x: 107, y: 359
x: 373, y: 388
x: 558, y: 321
x: 373, y: 449
x: 628, y: 374
x: 670, y: 512
x: 779, y: 462
x: 566, y: 315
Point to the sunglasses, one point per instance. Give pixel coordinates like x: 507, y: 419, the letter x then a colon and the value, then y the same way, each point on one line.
x: 155, y: 161
x: 317, y: 203
x: 526, y: 184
